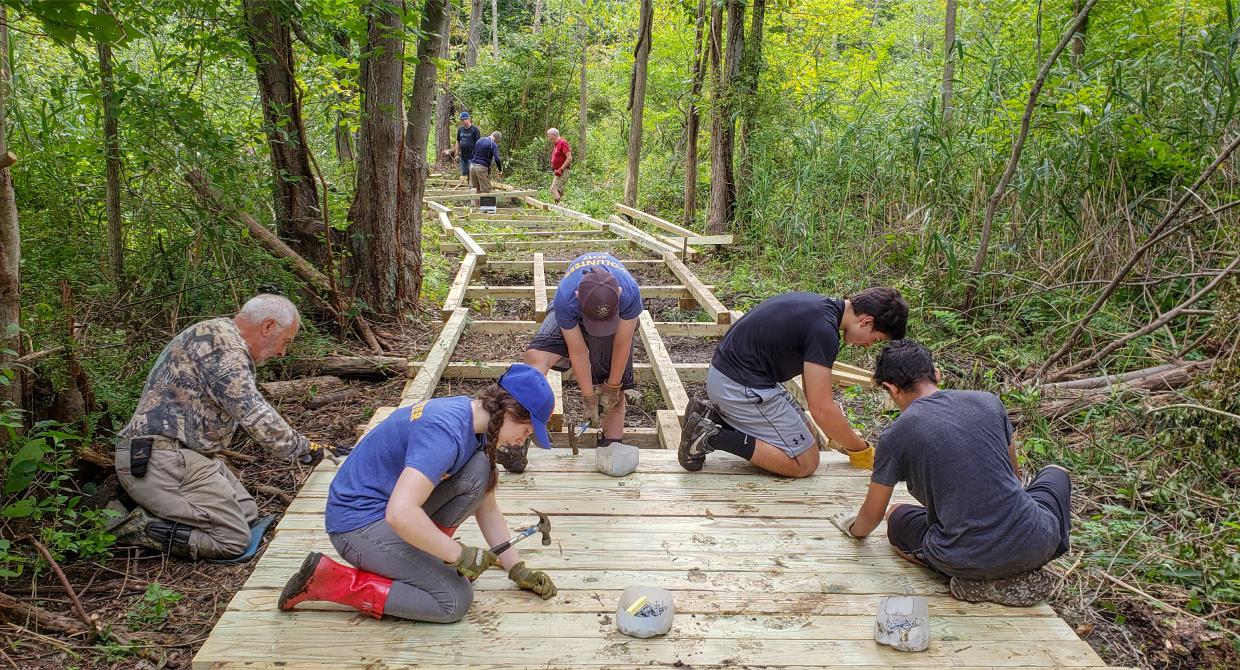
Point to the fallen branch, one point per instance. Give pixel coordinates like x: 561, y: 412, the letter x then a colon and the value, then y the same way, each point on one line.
x: 1110, y: 380
x: 18, y: 611
x: 332, y: 398
x: 1190, y: 405
x: 1059, y: 401
x: 93, y: 630
x: 349, y: 367
x: 300, y: 389
x: 1151, y: 239
x: 274, y: 492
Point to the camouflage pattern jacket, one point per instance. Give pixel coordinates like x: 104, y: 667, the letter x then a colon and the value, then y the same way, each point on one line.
x: 202, y: 387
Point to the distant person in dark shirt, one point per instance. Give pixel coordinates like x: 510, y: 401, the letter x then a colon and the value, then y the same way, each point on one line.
x: 486, y: 152
x: 467, y: 135
x: 977, y: 523
x: 749, y: 413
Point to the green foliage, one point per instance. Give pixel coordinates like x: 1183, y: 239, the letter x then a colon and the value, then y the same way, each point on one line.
x: 151, y: 611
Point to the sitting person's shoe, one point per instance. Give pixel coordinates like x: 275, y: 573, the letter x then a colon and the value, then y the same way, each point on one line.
x: 514, y: 459
x: 1022, y: 590
x: 699, y: 427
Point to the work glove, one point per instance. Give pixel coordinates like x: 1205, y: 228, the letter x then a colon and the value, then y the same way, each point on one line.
x: 318, y: 451
x: 844, y: 521
x: 611, y: 397
x: 863, y: 459
x: 473, y: 561
x: 532, y: 580
x: 590, y: 408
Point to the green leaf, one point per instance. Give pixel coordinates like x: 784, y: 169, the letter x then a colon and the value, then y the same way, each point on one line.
x: 25, y: 465
x: 19, y: 510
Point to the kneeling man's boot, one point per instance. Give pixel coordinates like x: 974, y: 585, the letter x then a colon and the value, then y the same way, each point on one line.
x: 321, y: 578
x: 140, y: 529
x: 1023, y: 590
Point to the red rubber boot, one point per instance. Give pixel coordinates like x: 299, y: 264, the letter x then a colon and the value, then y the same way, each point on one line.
x: 321, y: 578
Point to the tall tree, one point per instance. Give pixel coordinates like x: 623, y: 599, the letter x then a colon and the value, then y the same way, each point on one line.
x: 538, y: 4
x: 343, y: 131
x: 298, y: 217
x: 726, y: 65
x: 10, y: 236
x: 692, y: 118
x: 583, y: 97
x: 382, y: 277
x: 495, y: 28
x: 750, y: 75
x: 637, y: 100
x: 474, y: 36
x: 111, y: 158
x: 444, y: 109
x: 415, y: 168
x: 1078, y: 37
x: 949, y: 59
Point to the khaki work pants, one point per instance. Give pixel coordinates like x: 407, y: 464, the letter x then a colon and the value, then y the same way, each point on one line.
x: 480, y: 178
x: 558, y: 184
x: 189, y: 488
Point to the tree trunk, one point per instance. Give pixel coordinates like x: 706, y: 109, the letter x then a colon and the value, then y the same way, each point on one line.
x: 537, y: 15
x: 112, y: 163
x: 949, y: 60
x: 583, y: 100
x: 416, y: 168
x: 727, y: 65
x: 344, y: 136
x: 750, y: 76
x: 637, y: 101
x: 475, y: 33
x: 1078, y: 38
x: 444, y: 108
x: 382, y: 276
x: 10, y: 239
x: 495, y: 28
x: 298, y: 218
x: 692, y: 116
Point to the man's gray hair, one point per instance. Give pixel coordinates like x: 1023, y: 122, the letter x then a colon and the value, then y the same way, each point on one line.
x: 553, y: 131
x: 496, y: 136
x: 270, y: 306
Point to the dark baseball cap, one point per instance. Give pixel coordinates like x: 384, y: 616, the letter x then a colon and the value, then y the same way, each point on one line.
x: 464, y: 115
x: 529, y: 387
x: 599, y: 297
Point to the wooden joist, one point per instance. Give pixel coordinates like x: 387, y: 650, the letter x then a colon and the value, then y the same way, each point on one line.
x: 460, y: 286
x: 665, y: 372
x: 540, y: 288
x: 700, y: 291
x: 422, y: 387
x: 512, y: 292
x: 467, y: 197
x: 518, y: 245
x: 556, y: 379
x: 524, y: 234
x: 620, y: 227
x: 670, y: 227
x: 560, y: 266
x: 665, y: 328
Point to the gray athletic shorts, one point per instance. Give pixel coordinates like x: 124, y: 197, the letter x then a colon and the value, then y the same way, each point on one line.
x: 551, y: 339
x: 771, y: 415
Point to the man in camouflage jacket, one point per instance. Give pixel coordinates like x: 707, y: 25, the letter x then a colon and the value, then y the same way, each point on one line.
x: 167, y: 458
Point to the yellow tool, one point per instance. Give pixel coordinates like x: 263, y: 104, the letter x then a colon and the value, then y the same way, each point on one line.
x: 637, y: 605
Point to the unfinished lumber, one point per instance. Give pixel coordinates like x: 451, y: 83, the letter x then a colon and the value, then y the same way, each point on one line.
x: 619, y: 227
x: 456, y: 294
x: 665, y: 372
x: 470, y: 245
x: 556, y: 379
x: 560, y: 266
x: 422, y: 387
x: 518, y: 245
x: 701, y: 293
x: 670, y: 227
x: 508, y: 291
x: 445, y: 223
x: 688, y: 372
x: 438, y: 208
x: 540, y: 288
x: 468, y: 197
x: 665, y: 328
x: 568, y: 235
x: 668, y: 425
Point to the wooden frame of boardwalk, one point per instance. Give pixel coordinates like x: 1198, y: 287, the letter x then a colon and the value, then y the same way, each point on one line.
x: 761, y: 579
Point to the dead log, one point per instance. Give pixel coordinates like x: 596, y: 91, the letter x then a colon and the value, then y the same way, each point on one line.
x: 1060, y: 401
x: 330, y: 398
x: 274, y: 492
x: 349, y: 367
x: 1105, y: 381
x: 298, y: 390
x: 29, y: 615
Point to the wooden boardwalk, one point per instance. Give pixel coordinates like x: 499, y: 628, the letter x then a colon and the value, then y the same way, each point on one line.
x: 761, y: 578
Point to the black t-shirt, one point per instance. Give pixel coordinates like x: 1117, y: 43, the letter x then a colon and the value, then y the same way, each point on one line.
x: 952, y: 449
x: 771, y: 343
x: 467, y: 137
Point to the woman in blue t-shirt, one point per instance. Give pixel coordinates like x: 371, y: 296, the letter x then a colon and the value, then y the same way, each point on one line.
x: 396, y: 501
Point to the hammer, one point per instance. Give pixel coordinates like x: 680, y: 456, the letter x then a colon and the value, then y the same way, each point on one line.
x: 543, y: 525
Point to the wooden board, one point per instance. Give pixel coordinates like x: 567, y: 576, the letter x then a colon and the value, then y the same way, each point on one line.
x: 665, y: 328
x: 460, y: 286
x: 540, y: 288
x: 619, y: 227
x: 556, y: 379
x: 560, y: 266
x: 655, y: 221
x: 468, y: 197
x: 718, y: 313
x: 520, y: 245
x: 664, y: 371
x: 501, y: 291
x: 422, y: 386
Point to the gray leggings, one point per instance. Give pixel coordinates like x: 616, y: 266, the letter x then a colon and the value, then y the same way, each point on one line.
x: 424, y: 588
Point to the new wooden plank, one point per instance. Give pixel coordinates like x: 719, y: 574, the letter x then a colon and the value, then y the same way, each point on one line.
x: 469, y: 244
x: 422, y: 387
x: 524, y: 245
x: 521, y: 234
x: 445, y: 223
x: 665, y: 372
x: 718, y: 313
x: 619, y: 227
x: 560, y: 266
x: 556, y: 380
x: 460, y: 287
x: 540, y: 292
x: 655, y: 221
x: 439, y: 208
x: 511, y: 291
x: 668, y: 425
x: 665, y: 328
x: 469, y: 197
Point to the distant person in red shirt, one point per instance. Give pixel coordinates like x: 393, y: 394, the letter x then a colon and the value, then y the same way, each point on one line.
x: 561, y: 158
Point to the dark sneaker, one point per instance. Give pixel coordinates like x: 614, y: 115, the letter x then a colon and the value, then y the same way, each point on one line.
x: 514, y: 459
x: 1023, y: 590
x: 693, y: 435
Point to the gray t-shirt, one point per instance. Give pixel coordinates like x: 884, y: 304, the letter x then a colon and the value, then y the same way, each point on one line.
x: 952, y: 449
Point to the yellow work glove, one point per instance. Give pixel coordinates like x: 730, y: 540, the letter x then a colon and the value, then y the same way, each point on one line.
x: 473, y: 561
x: 532, y: 580
x: 863, y: 459
x: 611, y: 397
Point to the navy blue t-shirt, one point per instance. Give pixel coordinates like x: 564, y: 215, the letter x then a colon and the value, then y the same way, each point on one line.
x: 435, y: 437
x: 952, y: 449
x: 486, y: 151
x: 568, y: 308
x: 467, y: 138
x: 772, y: 342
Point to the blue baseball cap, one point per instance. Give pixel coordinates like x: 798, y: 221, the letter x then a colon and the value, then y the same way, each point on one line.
x: 464, y: 115
x: 530, y: 388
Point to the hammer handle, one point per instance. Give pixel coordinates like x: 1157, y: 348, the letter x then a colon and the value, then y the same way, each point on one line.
x: 504, y: 546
